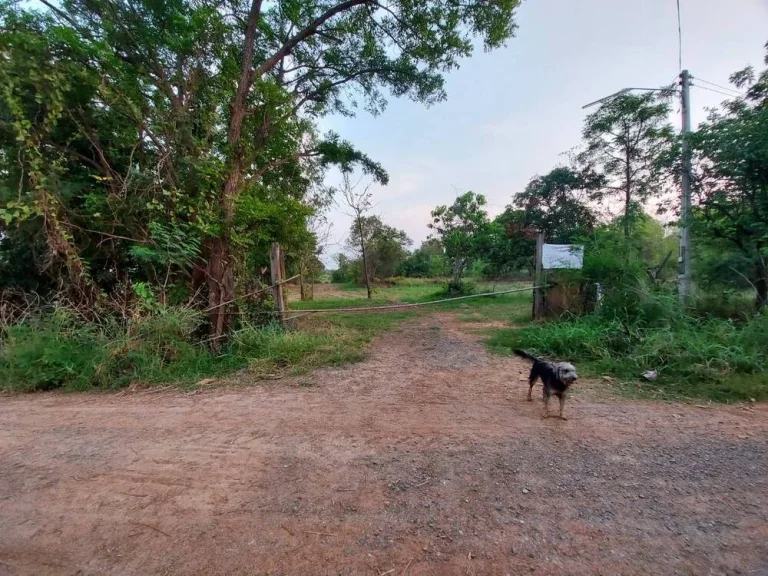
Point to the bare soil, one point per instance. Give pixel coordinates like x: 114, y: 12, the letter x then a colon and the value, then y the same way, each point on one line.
x: 423, y: 459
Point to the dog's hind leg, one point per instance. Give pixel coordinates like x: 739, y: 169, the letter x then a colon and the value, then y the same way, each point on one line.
x: 531, y: 381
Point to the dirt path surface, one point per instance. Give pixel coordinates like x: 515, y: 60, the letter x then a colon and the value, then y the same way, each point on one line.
x: 424, y: 459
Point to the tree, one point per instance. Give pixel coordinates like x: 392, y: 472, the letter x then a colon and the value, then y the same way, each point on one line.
x: 460, y: 227
x: 385, y: 246
x: 388, y: 248
x: 557, y: 203
x: 359, y: 202
x: 508, y: 243
x: 625, y: 139
x: 203, y: 115
x: 426, y: 261
x: 731, y: 180
x: 343, y: 272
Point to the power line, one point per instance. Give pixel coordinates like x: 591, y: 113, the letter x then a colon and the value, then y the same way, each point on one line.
x: 719, y: 86
x: 717, y: 91
x: 679, y: 39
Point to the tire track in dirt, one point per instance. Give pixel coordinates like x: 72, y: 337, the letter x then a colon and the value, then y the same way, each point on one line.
x: 425, y: 456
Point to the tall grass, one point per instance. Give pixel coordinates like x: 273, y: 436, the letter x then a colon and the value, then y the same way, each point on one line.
x: 695, y: 355
x: 59, y: 349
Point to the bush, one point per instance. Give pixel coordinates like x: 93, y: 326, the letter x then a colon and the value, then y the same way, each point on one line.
x: 53, y: 352
x: 60, y: 350
x: 631, y: 333
x: 453, y: 289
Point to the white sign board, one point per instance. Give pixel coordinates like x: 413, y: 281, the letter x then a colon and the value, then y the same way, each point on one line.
x: 562, y: 256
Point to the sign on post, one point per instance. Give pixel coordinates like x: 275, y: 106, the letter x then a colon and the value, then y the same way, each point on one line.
x: 562, y: 256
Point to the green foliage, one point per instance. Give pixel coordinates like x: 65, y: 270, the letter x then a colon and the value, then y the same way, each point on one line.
x: 385, y: 246
x: 616, y: 261
x: 557, y: 204
x: 61, y: 350
x: 460, y: 228
x: 626, y: 141
x: 507, y: 244
x: 172, y: 143
x: 731, y: 182
x: 269, y: 348
x: 427, y: 261
x: 41, y: 355
x: 453, y: 289
x: 694, y: 356
x: 344, y: 270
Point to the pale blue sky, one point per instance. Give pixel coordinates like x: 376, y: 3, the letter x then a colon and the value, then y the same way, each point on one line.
x: 511, y: 113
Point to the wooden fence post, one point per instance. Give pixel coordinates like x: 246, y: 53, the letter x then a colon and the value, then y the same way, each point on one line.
x: 538, y: 278
x: 276, y: 269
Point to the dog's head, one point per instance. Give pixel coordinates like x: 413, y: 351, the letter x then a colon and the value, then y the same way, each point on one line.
x: 566, y: 372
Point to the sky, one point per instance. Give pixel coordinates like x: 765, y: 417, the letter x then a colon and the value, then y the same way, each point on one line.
x: 512, y: 113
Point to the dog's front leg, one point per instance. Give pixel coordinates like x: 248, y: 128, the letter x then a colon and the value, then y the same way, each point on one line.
x: 562, y: 405
x: 546, y: 405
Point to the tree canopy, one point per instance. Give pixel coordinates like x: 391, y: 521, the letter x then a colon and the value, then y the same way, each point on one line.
x: 731, y: 184
x: 625, y: 140
x: 130, y: 129
x: 460, y: 228
x: 557, y: 203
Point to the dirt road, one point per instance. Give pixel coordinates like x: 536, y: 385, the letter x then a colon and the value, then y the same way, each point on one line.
x: 424, y: 459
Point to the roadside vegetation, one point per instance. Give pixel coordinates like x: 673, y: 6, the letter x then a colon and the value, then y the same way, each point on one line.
x: 153, y: 154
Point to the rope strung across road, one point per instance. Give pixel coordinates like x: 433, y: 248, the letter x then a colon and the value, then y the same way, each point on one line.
x: 410, y: 305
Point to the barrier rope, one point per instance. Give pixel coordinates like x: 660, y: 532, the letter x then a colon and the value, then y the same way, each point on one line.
x: 410, y: 305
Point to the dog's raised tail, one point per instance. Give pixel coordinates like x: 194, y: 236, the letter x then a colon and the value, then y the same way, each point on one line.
x: 524, y: 354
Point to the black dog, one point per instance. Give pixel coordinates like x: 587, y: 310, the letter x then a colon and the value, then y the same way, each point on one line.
x: 557, y: 377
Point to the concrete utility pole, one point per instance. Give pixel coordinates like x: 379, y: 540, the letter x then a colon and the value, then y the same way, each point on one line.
x: 684, y: 258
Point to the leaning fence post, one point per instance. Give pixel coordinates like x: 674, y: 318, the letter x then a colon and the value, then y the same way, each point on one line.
x: 538, y: 292
x: 276, y: 269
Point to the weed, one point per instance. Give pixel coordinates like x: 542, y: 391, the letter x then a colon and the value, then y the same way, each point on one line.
x: 60, y: 350
x: 715, y: 358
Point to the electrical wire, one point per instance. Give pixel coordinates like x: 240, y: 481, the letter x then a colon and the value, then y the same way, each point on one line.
x: 717, y: 91
x: 719, y: 86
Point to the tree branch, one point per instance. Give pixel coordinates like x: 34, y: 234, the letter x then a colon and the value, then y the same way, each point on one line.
x: 313, y: 27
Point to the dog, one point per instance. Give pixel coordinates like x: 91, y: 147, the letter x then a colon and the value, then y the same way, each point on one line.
x: 557, y: 377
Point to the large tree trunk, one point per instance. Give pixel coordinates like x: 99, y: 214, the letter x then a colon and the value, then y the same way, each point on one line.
x: 221, y: 278
x: 221, y: 286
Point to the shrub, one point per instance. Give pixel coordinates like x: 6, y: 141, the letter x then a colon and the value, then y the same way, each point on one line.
x: 629, y: 334
x: 51, y: 352
x: 453, y: 288
x: 58, y: 349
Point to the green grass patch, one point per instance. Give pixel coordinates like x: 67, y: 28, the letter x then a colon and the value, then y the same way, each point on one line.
x: 269, y: 349
x: 58, y: 349
x: 718, y: 359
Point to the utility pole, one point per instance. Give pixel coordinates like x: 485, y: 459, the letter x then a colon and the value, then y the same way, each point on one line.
x: 684, y: 258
